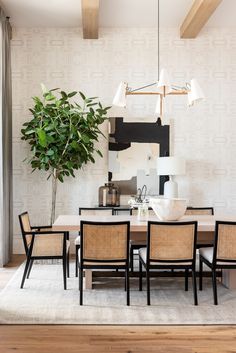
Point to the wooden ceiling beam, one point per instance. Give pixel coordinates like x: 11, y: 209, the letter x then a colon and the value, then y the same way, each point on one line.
x: 90, y: 14
x: 197, y: 17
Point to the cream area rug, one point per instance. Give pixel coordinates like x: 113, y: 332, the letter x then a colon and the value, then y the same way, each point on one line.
x: 43, y: 301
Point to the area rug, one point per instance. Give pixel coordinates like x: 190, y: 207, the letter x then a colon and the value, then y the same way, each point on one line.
x: 43, y: 301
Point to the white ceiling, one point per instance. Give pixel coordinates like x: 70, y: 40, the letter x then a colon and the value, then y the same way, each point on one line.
x: 113, y: 13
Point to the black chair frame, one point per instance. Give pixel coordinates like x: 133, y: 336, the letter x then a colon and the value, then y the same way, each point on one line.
x: 148, y: 266
x: 202, y: 208
x: 214, y: 266
x: 101, y: 265
x: 135, y: 246
x: 29, y: 249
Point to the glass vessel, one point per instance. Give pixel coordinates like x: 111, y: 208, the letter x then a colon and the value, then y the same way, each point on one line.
x: 143, y: 212
x: 108, y: 195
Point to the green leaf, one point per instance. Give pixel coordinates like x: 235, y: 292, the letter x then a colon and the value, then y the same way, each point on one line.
x: 50, y: 153
x: 60, y: 177
x: 74, y: 145
x: 72, y: 94
x: 86, y: 138
x: 82, y: 95
x: 64, y: 95
x: 28, y: 132
x: 42, y: 137
x: 50, y: 97
x: 99, y: 153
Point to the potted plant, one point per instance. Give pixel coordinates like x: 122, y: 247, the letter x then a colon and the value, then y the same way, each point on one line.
x: 62, y: 134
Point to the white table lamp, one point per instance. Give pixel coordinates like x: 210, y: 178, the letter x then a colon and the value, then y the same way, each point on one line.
x: 170, y: 166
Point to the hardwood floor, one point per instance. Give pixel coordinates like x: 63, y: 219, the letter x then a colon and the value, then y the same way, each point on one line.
x: 101, y: 339
x: 115, y: 339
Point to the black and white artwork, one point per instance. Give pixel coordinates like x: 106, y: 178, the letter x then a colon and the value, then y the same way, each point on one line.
x: 133, y: 151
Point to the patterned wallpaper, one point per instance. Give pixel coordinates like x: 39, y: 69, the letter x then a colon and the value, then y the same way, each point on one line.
x: 205, y: 135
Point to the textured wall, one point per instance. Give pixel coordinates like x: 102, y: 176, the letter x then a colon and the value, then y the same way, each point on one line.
x: 205, y: 135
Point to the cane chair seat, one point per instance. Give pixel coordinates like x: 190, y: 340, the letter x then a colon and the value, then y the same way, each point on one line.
x: 91, y: 263
x: 77, y: 240
x: 207, y: 253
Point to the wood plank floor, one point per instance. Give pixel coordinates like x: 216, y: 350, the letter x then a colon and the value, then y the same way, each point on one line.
x: 115, y: 339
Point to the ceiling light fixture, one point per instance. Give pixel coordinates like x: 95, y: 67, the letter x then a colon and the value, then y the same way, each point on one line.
x: 163, y: 87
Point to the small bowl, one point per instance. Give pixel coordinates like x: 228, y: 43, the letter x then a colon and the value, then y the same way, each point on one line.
x: 168, y: 209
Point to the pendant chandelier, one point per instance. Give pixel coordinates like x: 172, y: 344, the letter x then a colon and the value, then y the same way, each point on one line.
x: 163, y: 87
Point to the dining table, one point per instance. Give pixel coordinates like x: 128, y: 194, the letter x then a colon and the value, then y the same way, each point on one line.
x: 138, y: 232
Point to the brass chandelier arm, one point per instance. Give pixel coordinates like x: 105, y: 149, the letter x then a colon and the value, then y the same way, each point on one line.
x: 172, y: 93
x: 137, y: 89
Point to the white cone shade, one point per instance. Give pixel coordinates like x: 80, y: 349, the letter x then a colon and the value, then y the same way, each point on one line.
x: 190, y: 101
x: 120, y: 96
x: 164, y: 81
x: 196, y: 91
x: 158, y: 106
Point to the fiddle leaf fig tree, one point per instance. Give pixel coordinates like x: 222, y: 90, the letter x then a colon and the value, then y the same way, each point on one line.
x: 62, y: 134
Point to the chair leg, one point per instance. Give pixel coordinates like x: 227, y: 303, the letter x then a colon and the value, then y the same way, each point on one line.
x: 125, y: 280
x: 194, y: 287
x: 200, y: 273
x: 64, y: 261
x: 68, y: 264
x: 186, y: 280
x: 30, y: 267
x: 214, y: 284
x: 127, y: 286
x: 140, y: 276
x: 25, y: 271
x: 131, y: 259
x: 148, y: 287
x: 81, y: 286
x: 76, y: 260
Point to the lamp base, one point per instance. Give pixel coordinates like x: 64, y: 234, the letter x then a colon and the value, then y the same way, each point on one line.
x: 171, y: 189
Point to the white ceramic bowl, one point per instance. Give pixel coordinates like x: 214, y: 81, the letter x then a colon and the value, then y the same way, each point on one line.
x: 168, y: 209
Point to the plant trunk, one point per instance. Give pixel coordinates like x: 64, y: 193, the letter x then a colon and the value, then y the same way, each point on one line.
x: 54, y: 195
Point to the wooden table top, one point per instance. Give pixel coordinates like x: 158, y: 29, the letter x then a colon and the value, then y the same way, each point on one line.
x: 72, y: 222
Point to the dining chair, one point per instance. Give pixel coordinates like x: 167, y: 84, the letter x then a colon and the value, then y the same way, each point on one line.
x: 134, y: 243
x: 42, y: 243
x: 170, y: 245
x: 222, y: 255
x: 204, y: 211
x: 89, y: 211
x: 200, y: 211
x: 122, y: 211
x: 104, y: 245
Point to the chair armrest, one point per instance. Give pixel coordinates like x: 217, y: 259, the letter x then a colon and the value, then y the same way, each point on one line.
x: 41, y: 227
x: 46, y: 232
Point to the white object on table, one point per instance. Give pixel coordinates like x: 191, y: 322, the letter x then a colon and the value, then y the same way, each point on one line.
x: 168, y: 209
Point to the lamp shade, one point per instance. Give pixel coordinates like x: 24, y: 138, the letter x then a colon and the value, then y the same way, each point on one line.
x: 190, y: 101
x: 158, y: 106
x: 170, y: 166
x: 164, y: 81
x: 120, y: 96
x: 196, y: 91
